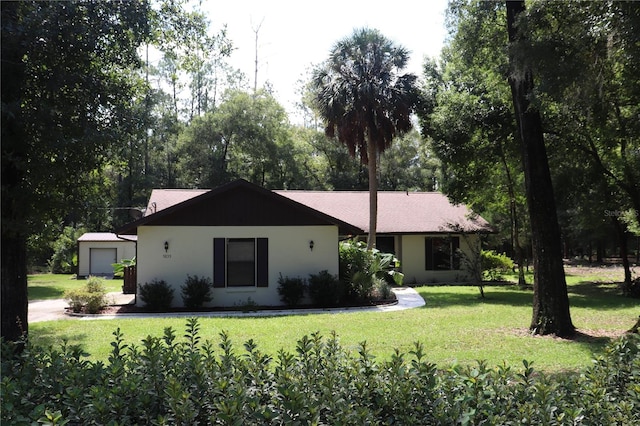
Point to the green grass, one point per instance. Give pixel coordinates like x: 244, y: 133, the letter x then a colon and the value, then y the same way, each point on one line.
x: 455, y: 326
x: 53, y: 286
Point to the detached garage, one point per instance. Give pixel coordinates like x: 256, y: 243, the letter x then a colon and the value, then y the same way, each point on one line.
x: 97, y: 251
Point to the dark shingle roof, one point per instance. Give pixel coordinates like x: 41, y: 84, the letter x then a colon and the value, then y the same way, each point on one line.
x: 160, y: 199
x: 399, y: 212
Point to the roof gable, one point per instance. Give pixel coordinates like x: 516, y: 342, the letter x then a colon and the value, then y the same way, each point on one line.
x: 238, y: 203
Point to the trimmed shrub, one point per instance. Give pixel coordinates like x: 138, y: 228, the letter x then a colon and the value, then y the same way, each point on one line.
x: 77, y: 298
x: 92, y: 297
x: 157, y: 295
x: 325, y: 289
x: 95, y: 302
x: 494, y: 265
x: 291, y: 290
x: 196, y: 291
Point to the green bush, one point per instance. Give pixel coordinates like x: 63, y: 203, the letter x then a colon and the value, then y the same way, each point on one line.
x: 355, y: 270
x: 119, y: 267
x: 157, y: 295
x: 360, y: 270
x: 325, y: 289
x: 494, y: 265
x: 291, y: 290
x: 95, y: 285
x: 95, y: 303
x: 381, y: 290
x: 96, y: 295
x: 65, y: 251
x: 196, y: 291
x: 92, y: 297
x: 77, y: 298
x: 163, y: 380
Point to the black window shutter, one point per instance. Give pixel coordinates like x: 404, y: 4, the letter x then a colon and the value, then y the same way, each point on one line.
x: 219, y: 261
x: 428, y: 254
x: 262, y: 262
x: 455, y: 247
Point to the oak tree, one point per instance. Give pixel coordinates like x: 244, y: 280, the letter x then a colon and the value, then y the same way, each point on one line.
x: 66, y: 93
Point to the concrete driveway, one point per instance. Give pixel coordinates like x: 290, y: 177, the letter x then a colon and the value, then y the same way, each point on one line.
x: 47, y: 310
x: 54, y: 309
x: 50, y: 310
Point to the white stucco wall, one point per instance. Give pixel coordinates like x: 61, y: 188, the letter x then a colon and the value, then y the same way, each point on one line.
x: 412, y: 260
x: 124, y: 250
x: 191, y: 253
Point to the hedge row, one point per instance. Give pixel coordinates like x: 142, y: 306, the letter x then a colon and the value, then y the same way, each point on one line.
x: 166, y: 380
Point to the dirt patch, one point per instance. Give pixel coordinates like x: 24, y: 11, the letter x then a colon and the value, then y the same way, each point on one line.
x: 582, y: 335
x: 605, y: 273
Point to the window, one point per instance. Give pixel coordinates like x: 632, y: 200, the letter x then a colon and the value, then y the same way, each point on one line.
x: 441, y: 253
x: 386, y: 244
x: 240, y: 262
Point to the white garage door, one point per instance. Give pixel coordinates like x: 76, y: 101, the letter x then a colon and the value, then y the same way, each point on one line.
x: 101, y: 260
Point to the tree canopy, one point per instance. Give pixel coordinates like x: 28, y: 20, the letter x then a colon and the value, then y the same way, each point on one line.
x: 576, y: 59
x: 67, y: 89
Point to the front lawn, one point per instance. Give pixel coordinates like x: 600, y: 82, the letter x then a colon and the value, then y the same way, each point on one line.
x: 53, y: 286
x: 455, y: 326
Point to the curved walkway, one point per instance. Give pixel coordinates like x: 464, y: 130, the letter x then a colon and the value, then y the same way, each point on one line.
x: 49, y: 310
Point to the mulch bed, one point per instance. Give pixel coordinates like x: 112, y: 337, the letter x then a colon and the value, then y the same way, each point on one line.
x: 133, y: 309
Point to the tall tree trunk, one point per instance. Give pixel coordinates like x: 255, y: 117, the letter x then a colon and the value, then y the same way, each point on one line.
x: 372, y: 154
x: 550, y: 299
x: 600, y: 251
x: 13, y: 275
x: 14, y: 287
x: 147, y: 113
x: 515, y: 234
x: 624, y: 255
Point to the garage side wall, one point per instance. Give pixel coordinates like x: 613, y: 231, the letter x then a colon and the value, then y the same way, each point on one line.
x: 190, y: 251
x: 124, y: 250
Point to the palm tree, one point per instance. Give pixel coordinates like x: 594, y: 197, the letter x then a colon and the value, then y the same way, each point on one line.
x: 365, y: 101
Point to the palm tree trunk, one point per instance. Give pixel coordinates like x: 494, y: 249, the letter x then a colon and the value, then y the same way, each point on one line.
x: 372, y: 154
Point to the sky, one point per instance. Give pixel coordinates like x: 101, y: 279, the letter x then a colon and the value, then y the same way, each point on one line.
x: 294, y: 35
